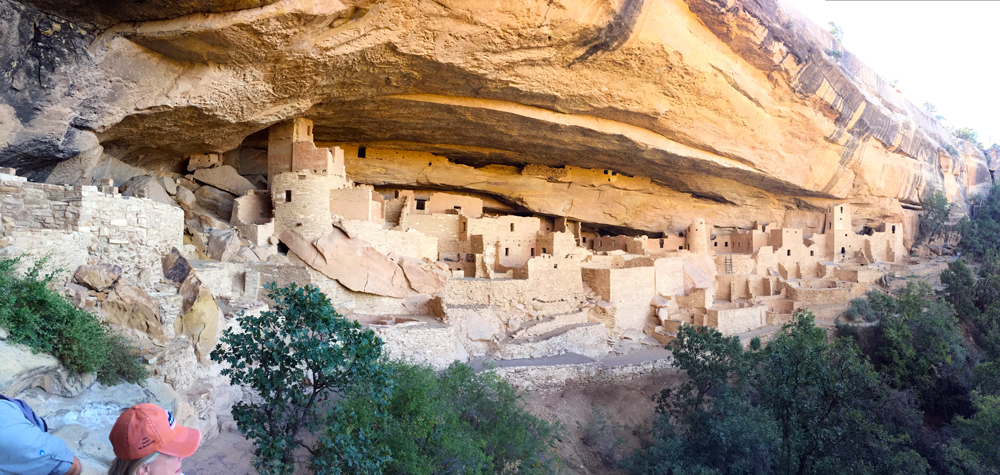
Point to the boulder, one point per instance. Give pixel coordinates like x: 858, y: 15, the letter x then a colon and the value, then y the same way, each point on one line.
x: 131, y: 307
x: 200, y: 317
x: 223, y: 244
x: 97, y: 277
x: 352, y: 262
x: 695, y: 278
x: 245, y: 254
x: 145, y: 186
x: 175, y: 267
x: 65, y: 383
x: 168, y: 184
x: 214, y: 199
x: 185, y: 197
x: 20, y: 367
x: 77, y: 294
x: 225, y: 178
x: 422, y: 280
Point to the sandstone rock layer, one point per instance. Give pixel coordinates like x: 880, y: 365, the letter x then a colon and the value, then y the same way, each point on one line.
x: 733, y: 110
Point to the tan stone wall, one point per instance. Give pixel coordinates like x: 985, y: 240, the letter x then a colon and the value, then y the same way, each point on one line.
x: 669, y: 275
x: 738, y: 320
x: 79, y: 224
x: 360, y: 203
x: 410, y: 243
x: 466, y: 205
x: 435, y: 344
x: 252, y: 208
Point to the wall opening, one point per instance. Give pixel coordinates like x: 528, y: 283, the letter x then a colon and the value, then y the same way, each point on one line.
x: 894, y: 229
x: 464, y: 226
x: 812, y: 253
x: 545, y: 251
x: 555, y: 266
x: 585, y: 239
x: 532, y: 252
x: 421, y: 204
x: 789, y: 252
x: 511, y: 227
x: 661, y: 244
x: 727, y: 244
x: 282, y: 248
x: 716, y: 244
x: 506, y: 251
x: 458, y: 208
x: 841, y: 209
x: 843, y: 251
x: 309, y: 130
x: 362, y: 152
x: 680, y: 248
x: 288, y: 196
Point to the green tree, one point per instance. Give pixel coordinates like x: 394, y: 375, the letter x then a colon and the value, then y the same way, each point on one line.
x: 931, y: 221
x: 836, y: 31
x: 966, y: 133
x: 976, y: 447
x: 298, y: 357
x: 799, y: 406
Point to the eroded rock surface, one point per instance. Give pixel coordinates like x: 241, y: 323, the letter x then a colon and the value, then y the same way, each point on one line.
x: 733, y: 111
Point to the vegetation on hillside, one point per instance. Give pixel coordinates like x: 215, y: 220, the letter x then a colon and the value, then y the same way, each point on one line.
x: 325, y: 388
x: 39, y: 317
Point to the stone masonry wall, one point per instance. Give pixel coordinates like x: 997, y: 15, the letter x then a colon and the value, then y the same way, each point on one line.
x: 79, y: 224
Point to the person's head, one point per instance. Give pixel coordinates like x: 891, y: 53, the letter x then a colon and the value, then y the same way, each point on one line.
x: 147, y: 441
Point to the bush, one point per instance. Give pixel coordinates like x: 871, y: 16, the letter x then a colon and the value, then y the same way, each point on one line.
x: 37, y: 316
x: 861, y: 308
x: 298, y: 357
x: 457, y: 421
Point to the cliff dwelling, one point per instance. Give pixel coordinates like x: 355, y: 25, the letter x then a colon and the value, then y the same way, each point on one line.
x: 554, y: 192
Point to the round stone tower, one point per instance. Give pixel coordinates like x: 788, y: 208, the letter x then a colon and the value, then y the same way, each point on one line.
x: 697, y: 236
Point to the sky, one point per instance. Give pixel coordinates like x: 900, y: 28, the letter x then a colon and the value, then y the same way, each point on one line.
x: 941, y: 51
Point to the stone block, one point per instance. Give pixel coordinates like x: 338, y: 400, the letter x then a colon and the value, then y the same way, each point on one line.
x: 175, y: 267
x: 145, y: 186
x: 97, y: 277
x: 214, y: 199
x: 226, y: 178
x: 131, y: 307
x: 223, y: 245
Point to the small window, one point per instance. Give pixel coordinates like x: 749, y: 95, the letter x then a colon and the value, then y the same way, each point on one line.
x: 458, y: 208
x: 309, y: 130
x: 511, y: 227
x: 831, y: 226
x: 716, y: 244
x: 843, y: 251
x: 545, y: 251
x: 661, y: 244
x: 812, y: 253
x: 894, y: 229
x: 464, y: 226
x: 585, y: 239
x: 421, y: 204
x: 288, y: 196
x: 763, y: 228
x: 680, y: 234
x: 532, y: 252
x: 555, y: 266
x: 727, y: 244
x: 506, y: 251
x: 680, y: 248
x: 362, y: 152
x: 841, y: 209
x: 789, y: 252
x: 605, y: 172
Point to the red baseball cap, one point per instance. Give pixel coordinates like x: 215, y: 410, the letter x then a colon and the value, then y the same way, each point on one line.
x: 147, y: 428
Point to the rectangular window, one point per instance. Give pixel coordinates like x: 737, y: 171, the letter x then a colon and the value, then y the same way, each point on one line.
x: 545, y: 251
x: 288, y: 196
x: 362, y: 152
x: 421, y: 204
x: 532, y: 251
x: 727, y: 245
x: 506, y: 251
x: 812, y: 253
x: 789, y: 252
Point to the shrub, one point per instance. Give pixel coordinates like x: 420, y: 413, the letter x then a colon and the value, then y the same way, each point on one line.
x: 861, y: 308
x: 37, y: 316
x: 297, y: 357
x: 834, y: 53
x: 951, y: 149
x: 456, y: 421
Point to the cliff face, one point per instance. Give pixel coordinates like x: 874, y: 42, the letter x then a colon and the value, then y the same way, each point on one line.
x: 734, y: 110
